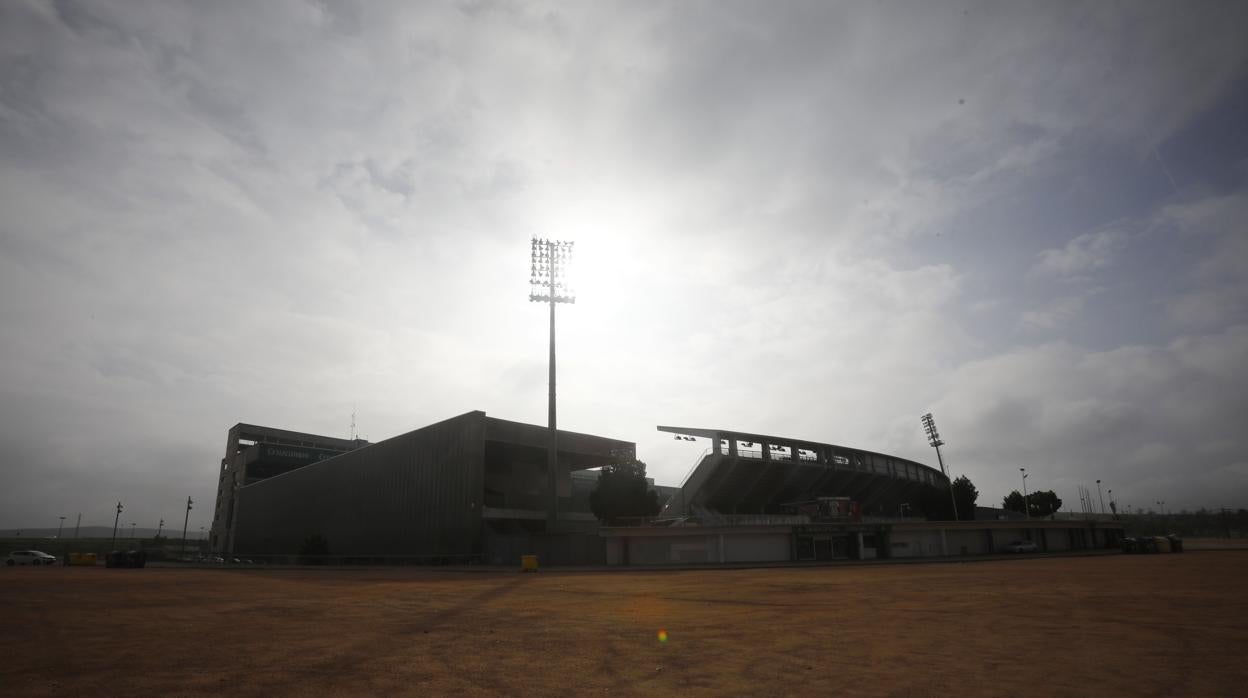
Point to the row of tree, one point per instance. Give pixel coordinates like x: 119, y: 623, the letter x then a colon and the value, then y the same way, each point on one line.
x: 1038, y: 504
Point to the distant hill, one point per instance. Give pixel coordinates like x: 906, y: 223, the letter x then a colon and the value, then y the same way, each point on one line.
x: 123, y: 532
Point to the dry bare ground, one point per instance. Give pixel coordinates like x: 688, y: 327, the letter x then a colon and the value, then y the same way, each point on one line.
x: 1116, y: 625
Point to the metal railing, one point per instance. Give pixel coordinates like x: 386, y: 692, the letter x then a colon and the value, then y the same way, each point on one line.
x: 245, y: 561
x: 705, y: 517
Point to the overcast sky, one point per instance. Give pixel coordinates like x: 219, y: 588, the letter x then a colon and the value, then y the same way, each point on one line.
x: 814, y: 220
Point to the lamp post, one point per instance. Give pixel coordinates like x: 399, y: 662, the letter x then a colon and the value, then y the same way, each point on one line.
x: 1100, y: 496
x: 184, y: 520
x: 933, y: 438
x: 160, y: 527
x: 1026, y: 509
x: 77, y: 525
x: 115, y: 520
x: 548, y: 283
x: 59, y: 526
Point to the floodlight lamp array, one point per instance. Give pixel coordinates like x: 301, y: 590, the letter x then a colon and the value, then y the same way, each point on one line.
x: 548, y: 279
x: 929, y: 426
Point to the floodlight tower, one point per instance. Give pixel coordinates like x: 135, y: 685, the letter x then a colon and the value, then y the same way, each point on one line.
x: 548, y: 283
x: 1026, y: 508
x: 115, y: 520
x: 933, y: 438
x: 185, y: 519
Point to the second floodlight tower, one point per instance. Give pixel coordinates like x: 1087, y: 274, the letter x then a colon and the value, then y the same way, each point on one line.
x: 933, y: 438
x: 548, y: 283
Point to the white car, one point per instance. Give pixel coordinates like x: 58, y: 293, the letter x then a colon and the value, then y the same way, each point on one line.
x: 29, y: 557
x: 1021, y: 546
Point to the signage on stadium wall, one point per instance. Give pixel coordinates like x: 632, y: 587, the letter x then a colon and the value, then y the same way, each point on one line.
x: 275, y: 453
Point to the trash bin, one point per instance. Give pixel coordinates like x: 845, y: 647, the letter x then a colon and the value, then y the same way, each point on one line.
x: 528, y: 563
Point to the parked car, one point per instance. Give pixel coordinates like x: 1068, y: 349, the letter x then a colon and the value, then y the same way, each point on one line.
x: 1021, y: 546
x: 29, y: 557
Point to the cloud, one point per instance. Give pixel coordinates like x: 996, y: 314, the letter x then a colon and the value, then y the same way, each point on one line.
x: 1054, y: 315
x: 1084, y: 254
x: 800, y: 221
x: 1138, y: 417
x: 1214, y: 289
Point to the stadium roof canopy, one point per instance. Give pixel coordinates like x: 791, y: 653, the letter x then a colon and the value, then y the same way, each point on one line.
x: 748, y: 473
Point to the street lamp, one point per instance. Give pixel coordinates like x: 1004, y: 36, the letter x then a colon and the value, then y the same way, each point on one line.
x: 115, y: 520
x: 59, y: 526
x: 160, y: 528
x: 548, y: 283
x: 1100, y: 496
x: 1026, y: 509
x: 933, y: 438
x: 131, y: 530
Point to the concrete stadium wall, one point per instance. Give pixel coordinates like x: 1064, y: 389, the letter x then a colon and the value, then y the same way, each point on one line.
x: 924, y: 543
x: 757, y: 547
x: 413, y: 495
x: 550, y: 549
x: 973, y: 542
x: 700, y: 547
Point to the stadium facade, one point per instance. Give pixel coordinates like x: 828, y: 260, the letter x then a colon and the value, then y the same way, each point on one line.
x: 470, y: 488
x: 475, y: 488
x: 255, y: 453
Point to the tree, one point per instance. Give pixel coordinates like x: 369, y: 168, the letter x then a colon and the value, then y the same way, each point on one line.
x: 1013, y: 502
x: 622, y: 492
x: 935, y: 504
x: 965, y: 494
x: 1039, y: 504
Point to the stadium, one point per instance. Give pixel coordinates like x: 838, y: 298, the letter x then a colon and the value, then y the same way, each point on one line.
x: 477, y: 489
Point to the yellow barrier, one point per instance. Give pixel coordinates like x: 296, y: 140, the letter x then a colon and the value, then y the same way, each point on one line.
x: 82, y: 559
x: 528, y: 563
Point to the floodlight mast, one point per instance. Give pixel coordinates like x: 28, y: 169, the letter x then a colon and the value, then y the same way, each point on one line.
x: 115, y: 520
x: 933, y: 438
x: 548, y: 283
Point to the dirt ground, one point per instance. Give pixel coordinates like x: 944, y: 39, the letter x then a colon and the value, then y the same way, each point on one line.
x: 1114, y: 625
